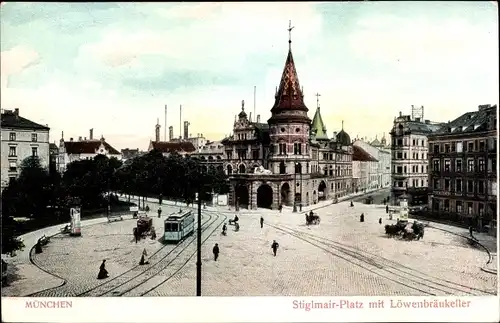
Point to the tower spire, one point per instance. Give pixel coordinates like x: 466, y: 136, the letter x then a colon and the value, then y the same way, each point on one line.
x: 290, y: 28
x: 342, y: 124
x: 317, y: 100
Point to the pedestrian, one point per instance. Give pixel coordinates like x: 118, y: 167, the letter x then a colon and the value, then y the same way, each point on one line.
x: 380, y: 221
x: 362, y: 217
x: 215, y: 250
x: 136, y: 235
x: 470, y: 231
x: 261, y: 222
x: 352, y: 204
x: 103, y: 273
x: 159, y: 212
x: 275, y: 246
x: 147, y: 208
x: 143, y: 261
x: 236, y: 227
x: 387, y: 209
x: 224, y: 229
x: 280, y: 207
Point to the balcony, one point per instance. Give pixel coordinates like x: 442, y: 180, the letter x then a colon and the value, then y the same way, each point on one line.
x: 399, y: 176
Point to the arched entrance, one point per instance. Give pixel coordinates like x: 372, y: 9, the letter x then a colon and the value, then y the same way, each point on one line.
x: 242, y: 196
x: 242, y: 169
x: 285, y: 194
x: 322, y: 191
x: 229, y: 169
x: 265, y: 196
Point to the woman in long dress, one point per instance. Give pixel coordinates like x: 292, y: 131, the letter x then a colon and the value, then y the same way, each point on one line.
x: 103, y: 273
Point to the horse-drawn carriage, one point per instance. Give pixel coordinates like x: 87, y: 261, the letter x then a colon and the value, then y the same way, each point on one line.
x: 312, y: 218
x: 144, y: 226
x: 401, y: 228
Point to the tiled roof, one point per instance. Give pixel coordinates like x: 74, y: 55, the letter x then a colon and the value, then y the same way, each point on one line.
x: 88, y: 147
x: 318, y: 128
x: 475, y: 121
x: 11, y: 119
x: 53, y: 146
x: 359, y: 154
x: 169, y: 147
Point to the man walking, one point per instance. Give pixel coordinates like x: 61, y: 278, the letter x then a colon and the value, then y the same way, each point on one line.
x: 261, y: 222
x: 159, y: 212
x: 216, y: 252
x: 275, y: 246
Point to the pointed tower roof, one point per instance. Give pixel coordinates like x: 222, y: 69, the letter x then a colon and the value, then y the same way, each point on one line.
x: 289, y: 96
x: 318, y: 128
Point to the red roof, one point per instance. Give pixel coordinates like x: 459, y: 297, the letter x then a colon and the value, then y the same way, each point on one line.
x: 169, y: 147
x: 359, y: 154
x: 88, y: 147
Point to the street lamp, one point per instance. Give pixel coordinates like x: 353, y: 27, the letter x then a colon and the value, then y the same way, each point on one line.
x: 201, y: 180
x: 295, y: 190
x: 300, y: 205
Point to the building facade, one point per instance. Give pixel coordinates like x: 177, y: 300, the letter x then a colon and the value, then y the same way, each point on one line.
x: 289, y: 160
x: 380, y: 151
x: 83, y: 148
x: 409, y: 165
x: 21, y: 138
x: 167, y: 147
x: 211, y: 154
x: 463, y: 169
x: 367, y: 176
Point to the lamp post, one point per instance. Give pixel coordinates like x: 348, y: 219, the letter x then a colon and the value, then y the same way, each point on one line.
x: 198, y: 234
x: 300, y: 205
x: 295, y: 189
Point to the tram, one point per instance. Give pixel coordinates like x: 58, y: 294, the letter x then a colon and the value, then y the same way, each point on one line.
x: 178, y: 226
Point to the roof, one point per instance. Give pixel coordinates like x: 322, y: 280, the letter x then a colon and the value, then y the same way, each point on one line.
x: 318, y: 127
x: 170, y: 147
x: 289, y: 95
x: 343, y: 138
x: 375, y: 142
x: 359, y: 154
x: 11, y: 119
x: 53, y: 146
x: 88, y: 147
x: 470, y: 122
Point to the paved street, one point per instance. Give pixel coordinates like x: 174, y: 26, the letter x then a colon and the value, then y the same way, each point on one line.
x: 340, y: 256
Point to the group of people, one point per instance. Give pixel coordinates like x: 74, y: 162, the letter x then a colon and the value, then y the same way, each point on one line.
x: 216, y: 250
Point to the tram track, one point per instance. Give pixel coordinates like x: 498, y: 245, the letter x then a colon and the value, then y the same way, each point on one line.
x: 364, y: 263
x: 155, y: 281
x: 397, y: 268
x: 139, y: 274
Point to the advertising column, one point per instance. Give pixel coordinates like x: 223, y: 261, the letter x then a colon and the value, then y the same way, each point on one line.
x: 75, y: 222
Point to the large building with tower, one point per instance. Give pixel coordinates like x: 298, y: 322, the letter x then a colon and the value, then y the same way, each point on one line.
x: 290, y: 160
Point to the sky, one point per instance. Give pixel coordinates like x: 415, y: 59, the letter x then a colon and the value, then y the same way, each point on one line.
x: 114, y: 66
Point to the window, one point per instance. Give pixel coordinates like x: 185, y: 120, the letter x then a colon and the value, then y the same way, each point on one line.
x: 481, y: 165
x: 422, y: 168
x: 242, y: 154
x: 12, y: 179
x: 458, y: 185
x: 435, y: 165
x: 470, y: 165
x: 436, y: 149
x: 446, y: 184
x: 282, y: 148
x: 413, y: 142
x: 34, y: 137
x: 480, y: 209
x: 12, y: 152
x: 435, y: 184
x: 458, y: 165
x: 12, y: 166
x: 446, y: 205
x: 255, y: 154
x: 400, y: 142
x: 469, y: 208
x: 400, y: 184
x: 482, y: 146
x: 405, y: 170
x: 480, y: 187
x: 12, y: 136
x: 34, y: 151
x: 470, y: 186
x: 459, y: 147
x: 297, y: 148
x: 399, y: 155
x: 447, y: 165
x: 447, y: 148
x: 453, y: 146
x: 229, y: 154
x: 404, y: 156
x: 460, y: 207
x: 470, y: 146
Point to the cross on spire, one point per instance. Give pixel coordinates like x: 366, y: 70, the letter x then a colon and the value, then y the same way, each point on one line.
x: 317, y: 99
x: 242, y: 105
x: 342, y: 124
x: 290, y: 28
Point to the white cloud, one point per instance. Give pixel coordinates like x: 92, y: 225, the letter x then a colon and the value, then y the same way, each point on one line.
x: 14, y: 61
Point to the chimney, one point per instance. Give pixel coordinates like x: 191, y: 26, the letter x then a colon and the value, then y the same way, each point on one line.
x: 91, y: 134
x: 258, y: 118
x: 400, y: 113
x: 71, y: 139
x: 85, y: 138
x: 186, y: 130
x: 201, y: 135
x: 16, y: 112
x: 170, y: 133
x: 80, y: 138
x: 250, y: 117
x: 157, y: 131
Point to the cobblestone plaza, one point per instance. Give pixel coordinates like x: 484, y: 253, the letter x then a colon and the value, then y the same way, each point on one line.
x: 340, y: 256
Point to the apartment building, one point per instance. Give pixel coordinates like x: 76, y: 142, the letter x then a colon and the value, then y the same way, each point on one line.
x: 21, y: 138
x: 409, y: 165
x: 463, y: 169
